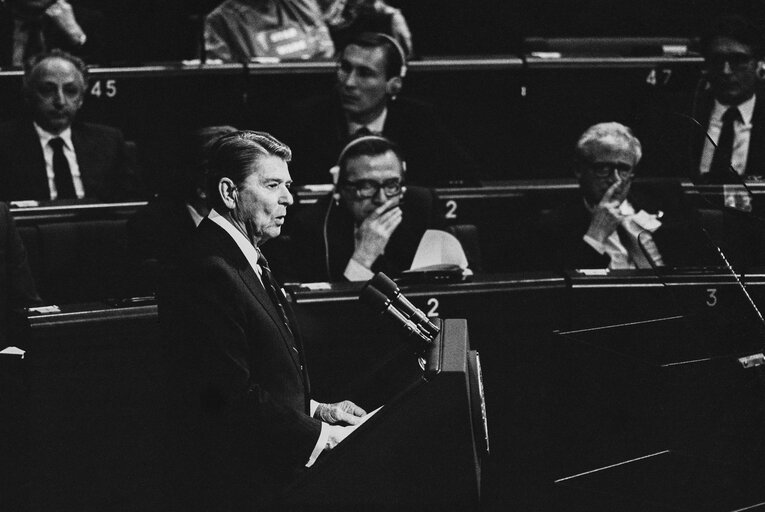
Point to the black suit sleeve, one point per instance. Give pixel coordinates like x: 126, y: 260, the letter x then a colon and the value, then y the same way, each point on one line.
x: 223, y: 327
x: 22, y: 290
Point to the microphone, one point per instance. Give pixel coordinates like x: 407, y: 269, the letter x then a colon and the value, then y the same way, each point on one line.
x: 393, y: 293
x: 379, y: 302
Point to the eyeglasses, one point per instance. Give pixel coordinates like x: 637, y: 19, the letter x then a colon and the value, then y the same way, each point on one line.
x: 738, y: 61
x: 607, y: 169
x: 365, y: 189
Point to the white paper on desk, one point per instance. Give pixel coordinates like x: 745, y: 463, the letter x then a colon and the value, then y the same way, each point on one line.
x: 439, y: 248
x: 13, y: 351
x: 363, y: 420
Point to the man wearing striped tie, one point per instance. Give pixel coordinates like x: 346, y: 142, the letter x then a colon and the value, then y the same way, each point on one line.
x: 251, y: 420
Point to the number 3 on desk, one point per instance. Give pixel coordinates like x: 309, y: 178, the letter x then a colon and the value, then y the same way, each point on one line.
x: 711, y: 297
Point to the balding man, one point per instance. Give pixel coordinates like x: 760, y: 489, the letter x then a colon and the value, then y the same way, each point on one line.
x: 48, y: 155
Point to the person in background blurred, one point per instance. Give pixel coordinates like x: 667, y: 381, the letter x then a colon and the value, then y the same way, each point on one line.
x: 241, y: 30
x: 158, y: 230
x: 29, y: 27
x: 370, y: 77
x: 730, y: 110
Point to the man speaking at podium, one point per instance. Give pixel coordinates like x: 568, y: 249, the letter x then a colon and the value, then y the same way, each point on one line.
x: 247, y: 413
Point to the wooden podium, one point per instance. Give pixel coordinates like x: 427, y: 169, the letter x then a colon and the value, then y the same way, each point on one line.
x: 423, y: 448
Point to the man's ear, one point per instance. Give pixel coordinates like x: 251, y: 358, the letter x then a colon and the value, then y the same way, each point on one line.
x: 394, y: 86
x: 227, y: 192
x: 760, y: 69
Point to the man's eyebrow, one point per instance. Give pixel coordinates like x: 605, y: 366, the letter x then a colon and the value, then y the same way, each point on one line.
x: 272, y: 179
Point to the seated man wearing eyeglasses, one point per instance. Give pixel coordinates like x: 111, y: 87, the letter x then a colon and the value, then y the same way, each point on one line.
x: 370, y: 223
x: 608, y: 226
x: 731, y: 113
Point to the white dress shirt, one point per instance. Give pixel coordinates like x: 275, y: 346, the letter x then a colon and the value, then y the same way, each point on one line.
x: 376, y: 126
x: 194, y: 214
x: 638, y: 227
x: 71, y: 157
x: 742, y: 131
x: 251, y: 253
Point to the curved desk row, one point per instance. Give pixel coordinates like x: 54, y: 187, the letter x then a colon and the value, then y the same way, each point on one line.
x: 518, y: 115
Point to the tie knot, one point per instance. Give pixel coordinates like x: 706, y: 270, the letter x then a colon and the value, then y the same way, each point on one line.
x: 731, y: 115
x: 262, y: 261
x: 57, y: 143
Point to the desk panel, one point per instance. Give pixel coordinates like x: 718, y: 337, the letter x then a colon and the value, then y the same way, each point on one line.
x: 565, y: 96
x: 629, y: 296
x: 97, y: 371
x: 520, y: 116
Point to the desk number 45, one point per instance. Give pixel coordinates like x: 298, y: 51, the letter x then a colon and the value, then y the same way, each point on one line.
x: 108, y: 88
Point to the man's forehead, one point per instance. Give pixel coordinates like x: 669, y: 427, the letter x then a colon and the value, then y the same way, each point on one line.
x: 611, y: 148
x: 727, y: 45
x: 373, y: 58
x: 270, y: 168
x: 385, y: 165
x: 56, y: 68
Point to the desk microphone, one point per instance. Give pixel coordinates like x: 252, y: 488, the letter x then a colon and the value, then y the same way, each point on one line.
x: 386, y: 285
x: 379, y: 302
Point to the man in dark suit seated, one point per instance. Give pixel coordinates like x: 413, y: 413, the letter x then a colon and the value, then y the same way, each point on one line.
x: 370, y: 76
x: 609, y: 225
x: 730, y: 110
x: 51, y: 156
x: 158, y: 231
x: 370, y: 223
x: 17, y: 288
x: 237, y: 346
x: 28, y: 27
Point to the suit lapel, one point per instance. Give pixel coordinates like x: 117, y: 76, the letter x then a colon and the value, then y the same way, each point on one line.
x: 700, y: 138
x: 83, y: 150
x: 31, y: 153
x: 254, y: 285
x: 755, y: 158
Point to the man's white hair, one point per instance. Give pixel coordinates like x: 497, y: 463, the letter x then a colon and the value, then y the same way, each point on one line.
x: 608, y: 134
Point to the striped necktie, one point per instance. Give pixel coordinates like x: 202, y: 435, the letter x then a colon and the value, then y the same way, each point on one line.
x: 273, y: 290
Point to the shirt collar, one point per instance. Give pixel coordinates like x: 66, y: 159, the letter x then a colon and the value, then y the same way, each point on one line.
x: 194, y: 215
x: 376, y: 126
x: 746, y: 109
x: 45, y: 136
x: 250, y: 251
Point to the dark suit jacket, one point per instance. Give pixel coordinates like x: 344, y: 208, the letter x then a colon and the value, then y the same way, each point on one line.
x: 17, y: 289
x: 156, y: 233
x: 307, y: 249
x: 241, y: 371
x: 680, y: 240
x: 673, y: 133
x: 755, y: 162
x: 319, y: 132
x: 101, y: 156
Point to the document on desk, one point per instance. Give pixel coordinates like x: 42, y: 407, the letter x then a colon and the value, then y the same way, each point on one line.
x: 364, y: 419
